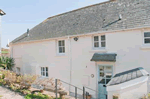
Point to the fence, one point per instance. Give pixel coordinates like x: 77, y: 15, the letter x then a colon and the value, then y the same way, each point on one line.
x: 72, y: 91
x: 61, y: 89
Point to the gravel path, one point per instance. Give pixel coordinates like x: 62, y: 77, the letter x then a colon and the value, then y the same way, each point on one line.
x: 8, y: 94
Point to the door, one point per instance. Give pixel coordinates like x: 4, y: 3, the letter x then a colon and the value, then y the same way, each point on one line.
x: 105, y: 74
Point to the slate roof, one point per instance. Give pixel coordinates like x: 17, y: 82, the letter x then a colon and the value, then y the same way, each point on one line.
x: 99, y: 17
x: 104, y: 57
x: 127, y: 76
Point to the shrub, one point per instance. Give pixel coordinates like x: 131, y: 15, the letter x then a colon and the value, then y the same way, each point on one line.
x: 25, y: 92
x: 10, y: 77
x: 7, y: 62
x: 27, y: 80
x: 12, y: 87
x: 37, y: 96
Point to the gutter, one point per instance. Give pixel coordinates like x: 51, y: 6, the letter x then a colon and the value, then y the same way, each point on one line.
x: 85, y: 34
x: 70, y: 61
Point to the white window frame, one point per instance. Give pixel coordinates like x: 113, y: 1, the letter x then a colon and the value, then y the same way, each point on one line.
x: 145, y: 38
x: 99, y: 41
x: 44, y: 70
x: 61, y: 46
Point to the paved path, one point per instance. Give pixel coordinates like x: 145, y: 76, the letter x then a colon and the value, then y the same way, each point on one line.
x: 8, y: 94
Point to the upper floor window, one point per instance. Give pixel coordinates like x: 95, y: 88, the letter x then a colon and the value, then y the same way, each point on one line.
x: 99, y: 41
x: 147, y: 38
x: 61, y: 46
x: 44, y: 71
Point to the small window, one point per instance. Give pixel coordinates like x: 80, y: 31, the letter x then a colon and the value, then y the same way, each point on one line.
x: 44, y: 71
x: 147, y: 38
x: 61, y: 46
x: 99, y: 41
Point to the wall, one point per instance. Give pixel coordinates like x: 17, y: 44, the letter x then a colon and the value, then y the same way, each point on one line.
x: 128, y: 45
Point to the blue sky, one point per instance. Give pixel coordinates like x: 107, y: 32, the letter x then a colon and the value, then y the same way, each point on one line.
x: 23, y: 14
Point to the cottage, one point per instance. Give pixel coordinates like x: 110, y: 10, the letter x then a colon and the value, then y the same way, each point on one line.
x: 87, y: 46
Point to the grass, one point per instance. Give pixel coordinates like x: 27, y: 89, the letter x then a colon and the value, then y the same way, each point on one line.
x: 4, y: 52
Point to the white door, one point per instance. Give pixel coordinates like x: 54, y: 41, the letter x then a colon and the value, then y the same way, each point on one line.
x: 105, y: 74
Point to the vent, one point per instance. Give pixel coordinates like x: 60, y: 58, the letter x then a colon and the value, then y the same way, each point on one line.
x: 27, y: 32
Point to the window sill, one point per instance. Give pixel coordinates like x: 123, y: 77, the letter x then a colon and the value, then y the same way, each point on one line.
x: 59, y: 55
x: 98, y: 50
x: 42, y: 77
x: 145, y: 47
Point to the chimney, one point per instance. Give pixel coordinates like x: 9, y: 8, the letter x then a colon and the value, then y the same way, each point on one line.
x: 27, y: 32
x: 7, y: 43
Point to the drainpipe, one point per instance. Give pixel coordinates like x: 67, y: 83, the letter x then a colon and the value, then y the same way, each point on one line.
x: 70, y: 61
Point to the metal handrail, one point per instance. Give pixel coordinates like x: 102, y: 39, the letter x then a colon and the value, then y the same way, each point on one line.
x: 81, y: 89
x: 90, y: 89
x: 94, y: 90
x: 71, y: 84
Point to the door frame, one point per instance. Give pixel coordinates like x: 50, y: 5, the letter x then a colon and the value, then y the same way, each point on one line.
x: 98, y: 64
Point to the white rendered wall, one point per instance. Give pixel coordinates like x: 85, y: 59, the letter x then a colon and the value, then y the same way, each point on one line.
x: 126, y: 44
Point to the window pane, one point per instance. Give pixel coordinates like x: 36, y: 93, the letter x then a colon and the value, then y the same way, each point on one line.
x: 108, y: 68
x: 43, y: 73
x: 102, y: 68
x: 60, y: 49
x: 107, y: 80
x: 103, y: 37
x: 63, y: 50
x: 147, y: 34
x: 102, y: 44
x: 96, y: 38
x: 147, y: 40
x: 59, y: 43
x: 108, y: 75
x: 63, y: 43
x: 46, y: 68
x: 96, y: 44
x: 43, y: 69
x: 102, y: 81
x: 101, y: 74
x: 46, y: 74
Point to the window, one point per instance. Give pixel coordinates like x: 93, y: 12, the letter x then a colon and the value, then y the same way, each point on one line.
x: 61, y: 46
x: 99, y: 41
x: 44, y: 71
x: 105, y: 74
x: 147, y: 38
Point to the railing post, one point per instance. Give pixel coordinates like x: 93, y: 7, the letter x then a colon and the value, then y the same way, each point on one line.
x: 56, y: 87
x: 83, y: 93
x: 75, y: 92
x: 86, y: 95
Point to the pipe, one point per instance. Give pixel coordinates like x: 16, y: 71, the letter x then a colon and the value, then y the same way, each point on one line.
x: 70, y: 60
